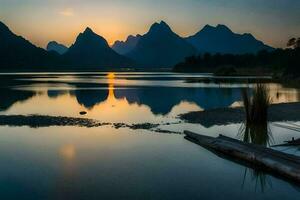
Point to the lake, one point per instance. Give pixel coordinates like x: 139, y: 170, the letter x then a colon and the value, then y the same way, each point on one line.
x: 120, y: 162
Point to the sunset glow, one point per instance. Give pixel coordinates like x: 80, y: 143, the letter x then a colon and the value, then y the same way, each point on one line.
x: 115, y: 20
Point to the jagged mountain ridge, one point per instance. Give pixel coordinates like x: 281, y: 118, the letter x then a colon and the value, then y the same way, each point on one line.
x: 123, y: 47
x: 221, y: 39
x: 160, y: 47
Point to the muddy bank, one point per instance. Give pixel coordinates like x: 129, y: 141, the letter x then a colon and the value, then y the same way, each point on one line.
x: 39, y: 121
x: 223, y: 116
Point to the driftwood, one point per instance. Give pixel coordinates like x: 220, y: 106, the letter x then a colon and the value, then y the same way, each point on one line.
x: 292, y: 142
x: 278, y: 163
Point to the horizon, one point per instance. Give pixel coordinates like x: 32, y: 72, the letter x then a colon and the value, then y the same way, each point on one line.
x: 141, y: 34
x: 116, y: 20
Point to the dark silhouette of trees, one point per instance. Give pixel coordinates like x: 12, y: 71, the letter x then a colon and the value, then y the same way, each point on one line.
x: 283, y: 61
x: 293, y: 43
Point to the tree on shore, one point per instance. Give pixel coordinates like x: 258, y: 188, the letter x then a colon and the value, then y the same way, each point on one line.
x: 294, y: 43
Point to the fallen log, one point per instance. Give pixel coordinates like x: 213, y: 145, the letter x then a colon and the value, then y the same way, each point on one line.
x: 279, y: 163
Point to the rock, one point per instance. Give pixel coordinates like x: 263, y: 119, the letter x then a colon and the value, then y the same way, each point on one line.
x: 83, y: 113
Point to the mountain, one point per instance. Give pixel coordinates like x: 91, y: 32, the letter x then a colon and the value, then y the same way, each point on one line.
x: 160, y: 47
x: 221, y: 39
x: 92, y: 50
x: 123, y: 48
x: 59, y: 48
x: 18, y: 53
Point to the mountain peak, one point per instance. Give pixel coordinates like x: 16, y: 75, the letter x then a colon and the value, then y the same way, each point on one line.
x: 91, y: 49
x: 158, y: 27
x: 207, y: 27
x: 223, y: 27
x: 163, y: 23
x: 160, y: 47
x: 88, y: 30
x: 219, y: 27
x: 220, y: 39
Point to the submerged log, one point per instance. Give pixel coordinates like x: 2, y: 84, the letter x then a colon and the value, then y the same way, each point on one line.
x: 279, y: 163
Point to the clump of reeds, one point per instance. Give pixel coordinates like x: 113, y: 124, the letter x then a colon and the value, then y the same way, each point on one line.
x: 256, y: 107
x: 255, y: 128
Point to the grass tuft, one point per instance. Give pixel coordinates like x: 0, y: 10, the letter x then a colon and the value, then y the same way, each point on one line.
x: 256, y: 107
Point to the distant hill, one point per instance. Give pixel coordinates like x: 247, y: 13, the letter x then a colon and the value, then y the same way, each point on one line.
x: 221, y: 39
x: 92, y: 50
x: 19, y: 54
x: 123, y: 48
x: 59, y: 48
x: 160, y: 47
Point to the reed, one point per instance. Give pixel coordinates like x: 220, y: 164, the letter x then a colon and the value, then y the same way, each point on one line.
x: 256, y: 107
x: 255, y: 129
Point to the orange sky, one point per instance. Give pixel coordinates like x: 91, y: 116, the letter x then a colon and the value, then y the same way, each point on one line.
x: 273, y: 21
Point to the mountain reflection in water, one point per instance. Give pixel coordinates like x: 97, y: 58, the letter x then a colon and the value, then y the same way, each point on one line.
x: 122, y: 90
x: 75, y: 160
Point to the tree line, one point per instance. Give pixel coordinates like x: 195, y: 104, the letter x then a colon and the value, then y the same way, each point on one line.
x: 281, y: 61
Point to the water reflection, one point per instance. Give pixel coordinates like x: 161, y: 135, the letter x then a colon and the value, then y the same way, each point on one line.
x: 255, y: 129
x: 259, y: 134
x: 68, y: 152
x: 154, y: 92
x: 8, y: 97
x: 72, y: 162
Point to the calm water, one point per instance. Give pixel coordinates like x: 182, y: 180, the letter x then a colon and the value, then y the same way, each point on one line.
x: 109, y: 163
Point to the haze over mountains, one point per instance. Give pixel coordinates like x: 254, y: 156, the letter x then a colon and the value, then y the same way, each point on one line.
x: 124, y: 47
x: 59, y: 48
x: 160, y: 47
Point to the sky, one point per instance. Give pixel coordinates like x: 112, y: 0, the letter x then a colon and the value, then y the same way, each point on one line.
x: 41, y: 21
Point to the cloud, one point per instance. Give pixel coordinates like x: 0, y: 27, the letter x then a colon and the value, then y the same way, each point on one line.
x: 68, y: 12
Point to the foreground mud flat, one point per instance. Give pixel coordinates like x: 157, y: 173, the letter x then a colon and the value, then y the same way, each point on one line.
x: 39, y: 121
x: 280, y: 164
x: 221, y: 116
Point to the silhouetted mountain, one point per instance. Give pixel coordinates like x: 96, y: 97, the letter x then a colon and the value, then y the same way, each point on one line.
x: 221, y: 39
x: 59, y: 48
x: 18, y: 53
x: 92, y: 50
x: 123, y: 48
x: 160, y: 47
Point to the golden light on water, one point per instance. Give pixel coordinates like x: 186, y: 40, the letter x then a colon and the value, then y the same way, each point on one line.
x: 68, y: 152
x: 111, y: 76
